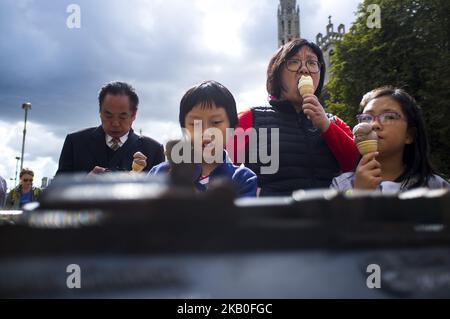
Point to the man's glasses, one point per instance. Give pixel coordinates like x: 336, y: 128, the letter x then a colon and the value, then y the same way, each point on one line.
x: 384, y: 118
x: 295, y: 65
x: 27, y: 180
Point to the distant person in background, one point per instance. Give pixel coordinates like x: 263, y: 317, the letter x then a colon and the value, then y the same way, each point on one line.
x: 24, y: 193
x: 112, y: 146
x: 3, y: 188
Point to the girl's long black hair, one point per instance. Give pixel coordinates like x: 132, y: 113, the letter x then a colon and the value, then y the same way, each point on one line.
x: 416, y: 156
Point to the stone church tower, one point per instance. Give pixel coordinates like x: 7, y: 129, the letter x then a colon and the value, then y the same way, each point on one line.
x: 328, y: 42
x: 288, y: 21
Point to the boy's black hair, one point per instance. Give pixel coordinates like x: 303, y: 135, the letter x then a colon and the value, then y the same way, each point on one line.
x: 119, y: 88
x: 416, y: 156
x: 207, y: 94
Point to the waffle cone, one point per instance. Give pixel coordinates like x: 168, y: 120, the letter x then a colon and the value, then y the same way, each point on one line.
x: 306, y: 89
x: 369, y: 146
x: 136, y: 167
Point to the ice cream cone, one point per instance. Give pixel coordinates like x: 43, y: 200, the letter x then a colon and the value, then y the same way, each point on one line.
x: 368, y: 146
x: 136, y: 168
x: 305, y: 85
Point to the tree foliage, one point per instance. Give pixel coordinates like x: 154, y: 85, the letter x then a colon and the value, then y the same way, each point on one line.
x: 411, y: 50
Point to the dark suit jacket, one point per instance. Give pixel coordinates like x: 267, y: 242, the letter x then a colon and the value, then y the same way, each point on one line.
x: 84, y: 150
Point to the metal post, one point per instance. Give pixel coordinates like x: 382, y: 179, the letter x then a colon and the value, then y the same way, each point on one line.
x: 26, y: 107
x: 17, y: 170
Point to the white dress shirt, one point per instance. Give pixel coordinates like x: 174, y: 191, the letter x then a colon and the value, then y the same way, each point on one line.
x: 122, y: 140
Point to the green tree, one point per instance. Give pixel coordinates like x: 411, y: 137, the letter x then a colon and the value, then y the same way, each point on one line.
x: 411, y: 50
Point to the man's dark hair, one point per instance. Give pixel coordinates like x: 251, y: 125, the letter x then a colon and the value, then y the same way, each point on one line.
x: 119, y: 88
x: 206, y: 94
x: 274, y: 84
x: 26, y: 171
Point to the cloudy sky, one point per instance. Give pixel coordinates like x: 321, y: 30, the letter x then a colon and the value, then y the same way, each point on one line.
x: 161, y: 47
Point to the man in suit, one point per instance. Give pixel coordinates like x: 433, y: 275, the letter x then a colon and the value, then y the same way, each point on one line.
x: 112, y: 146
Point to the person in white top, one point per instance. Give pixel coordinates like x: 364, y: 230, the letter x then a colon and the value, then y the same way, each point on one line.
x: 402, y: 161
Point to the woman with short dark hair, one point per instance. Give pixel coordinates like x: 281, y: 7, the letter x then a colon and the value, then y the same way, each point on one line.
x: 314, y: 147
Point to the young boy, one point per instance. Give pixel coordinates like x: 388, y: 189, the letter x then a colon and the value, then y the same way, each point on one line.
x: 207, y: 110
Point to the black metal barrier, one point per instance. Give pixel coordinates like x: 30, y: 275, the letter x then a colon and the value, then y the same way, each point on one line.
x: 137, y: 236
